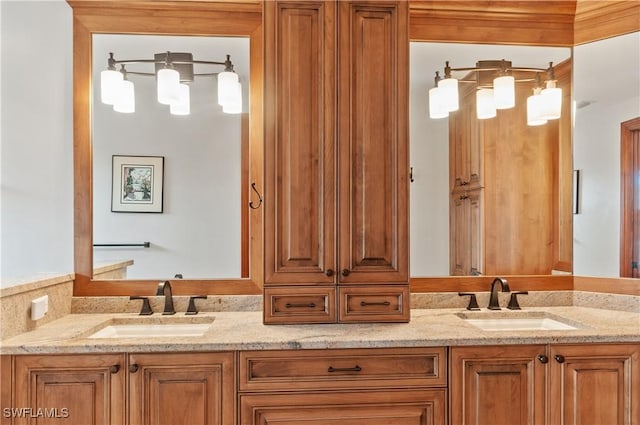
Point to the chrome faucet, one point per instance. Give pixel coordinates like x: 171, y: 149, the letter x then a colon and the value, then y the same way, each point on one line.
x: 494, y: 304
x: 164, y: 288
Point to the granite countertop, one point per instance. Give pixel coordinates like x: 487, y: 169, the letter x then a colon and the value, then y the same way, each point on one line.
x: 245, y: 331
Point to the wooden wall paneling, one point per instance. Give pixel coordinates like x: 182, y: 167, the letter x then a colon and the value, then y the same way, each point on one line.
x: 483, y: 283
x: 544, y: 23
x: 611, y: 285
x: 599, y: 19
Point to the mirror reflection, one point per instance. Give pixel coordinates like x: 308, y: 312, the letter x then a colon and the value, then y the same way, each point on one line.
x: 607, y: 93
x: 431, y: 189
x: 196, y: 230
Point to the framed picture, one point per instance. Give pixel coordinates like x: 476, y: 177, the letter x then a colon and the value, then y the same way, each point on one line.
x: 137, y: 184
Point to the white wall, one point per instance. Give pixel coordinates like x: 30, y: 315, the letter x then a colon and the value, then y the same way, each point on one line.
x: 36, y: 139
x: 607, y: 92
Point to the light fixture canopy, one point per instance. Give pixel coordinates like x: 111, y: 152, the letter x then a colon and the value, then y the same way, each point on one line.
x: 495, y: 82
x: 174, y: 71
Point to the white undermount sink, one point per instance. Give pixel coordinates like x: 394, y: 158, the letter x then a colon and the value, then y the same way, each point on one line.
x: 145, y: 327
x: 517, y: 321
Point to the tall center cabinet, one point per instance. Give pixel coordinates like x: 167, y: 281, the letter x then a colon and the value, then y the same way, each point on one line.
x: 336, y: 162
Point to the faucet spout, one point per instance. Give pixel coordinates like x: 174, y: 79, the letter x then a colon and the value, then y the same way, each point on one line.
x: 164, y: 288
x: 494, y: 304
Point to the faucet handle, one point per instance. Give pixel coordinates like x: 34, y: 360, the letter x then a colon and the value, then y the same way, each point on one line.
x: 473, y: 302
x: 146, y: 307
x: 191, y: 309
x: 513, y: 301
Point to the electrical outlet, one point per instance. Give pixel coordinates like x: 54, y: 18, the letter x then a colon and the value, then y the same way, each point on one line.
x: 39, y: 307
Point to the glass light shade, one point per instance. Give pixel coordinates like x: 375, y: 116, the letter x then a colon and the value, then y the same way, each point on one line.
x: 436, y: 106
x: 552, y: 101
x: 504, y: 92
x: 235, y: 105
x: 183, y: 105
x: 227, y: 90
x: 448, y: 89
x: 109, y: 85
x: 485, y: 104
x: 126, y: 100
x: 534, y: 109
x: 168, y: 82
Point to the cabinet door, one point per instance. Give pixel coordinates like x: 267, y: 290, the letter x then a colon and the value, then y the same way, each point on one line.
x: 459, y: 228
x: 372, y: 141
x: 75, y: 389
x: 497, y: 385
x: 476, y: 232
x: 194, y: 388
x: 299, y: 151
x: 391, y: 407
x: 465, y: 143
x: 595, y: 384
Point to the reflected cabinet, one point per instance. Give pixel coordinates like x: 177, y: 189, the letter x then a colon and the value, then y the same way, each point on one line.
x: 336, y: 162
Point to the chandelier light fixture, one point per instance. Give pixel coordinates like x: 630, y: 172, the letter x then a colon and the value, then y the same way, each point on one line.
x: 495, y: 89
x: 174, y: 71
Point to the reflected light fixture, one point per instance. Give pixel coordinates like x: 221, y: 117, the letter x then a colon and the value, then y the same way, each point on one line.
x: 174, y: 72
x: 495, y: 82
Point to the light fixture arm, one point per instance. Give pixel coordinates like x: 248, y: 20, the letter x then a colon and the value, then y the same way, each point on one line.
x: 169, y: 63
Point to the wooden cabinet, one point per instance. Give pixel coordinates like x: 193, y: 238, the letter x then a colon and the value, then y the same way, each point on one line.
x: 78, y: 389
x: 188, y: 388
x: 336, y: 160
x: 374, y: 386
x: 538, y: 384
x: 512, y: 171
x: 194, y: 388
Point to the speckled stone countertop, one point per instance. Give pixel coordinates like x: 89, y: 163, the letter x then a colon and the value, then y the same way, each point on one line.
x: 245, y: 331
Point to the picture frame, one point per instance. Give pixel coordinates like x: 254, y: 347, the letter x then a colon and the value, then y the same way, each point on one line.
x: 137, y: 184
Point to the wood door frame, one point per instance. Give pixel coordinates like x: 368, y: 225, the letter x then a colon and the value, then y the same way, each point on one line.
x: 627, y: 194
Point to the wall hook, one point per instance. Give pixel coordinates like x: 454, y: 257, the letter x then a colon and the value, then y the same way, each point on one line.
x: 411, y: 174
x: 251, y: 205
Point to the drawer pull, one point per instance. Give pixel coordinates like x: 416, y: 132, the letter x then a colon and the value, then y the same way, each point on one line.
x: 559, y: 358
x: 300, y: 305
x: 543, y: 359
x: 365, y: 304
x: 329, y: 272
x: 356, y: 368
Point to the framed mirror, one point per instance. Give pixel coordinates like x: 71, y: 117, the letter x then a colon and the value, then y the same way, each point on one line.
x: 432, y: 211
x: 105, y: 141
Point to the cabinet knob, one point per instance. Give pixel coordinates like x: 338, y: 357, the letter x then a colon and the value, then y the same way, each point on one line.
x: 115, y: 368
x: 345, y: 272
x: 462, y: 197
x: 543, y: 359
x: 329, y: 272
x: 133, y: 368
x: 559, y: 358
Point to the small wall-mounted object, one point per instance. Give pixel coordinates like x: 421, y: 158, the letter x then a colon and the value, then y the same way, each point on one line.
x: 576, y: 191
x: 39, y: 307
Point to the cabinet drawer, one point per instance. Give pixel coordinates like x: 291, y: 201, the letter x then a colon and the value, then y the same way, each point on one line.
x: 300, y: 305
x: 376, y: 303
x: 335, y: 369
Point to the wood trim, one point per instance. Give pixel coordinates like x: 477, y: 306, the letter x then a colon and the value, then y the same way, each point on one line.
x: 607, y: 285
x: 482, y: 283
x: 245, y: 194
x: 543, y: 23
x: 599, y: 19
x: 627, y: 204
x: 200, y: 18
x: 6, y: 387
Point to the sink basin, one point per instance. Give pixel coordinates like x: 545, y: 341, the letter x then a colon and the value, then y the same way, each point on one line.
x: 530, y: 321
x: 145, y: 327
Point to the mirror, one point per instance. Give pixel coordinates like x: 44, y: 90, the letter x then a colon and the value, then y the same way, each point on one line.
x: 197, y: 231
x: 607, y: 93
x: 429, y: 142
x: 156, y: 20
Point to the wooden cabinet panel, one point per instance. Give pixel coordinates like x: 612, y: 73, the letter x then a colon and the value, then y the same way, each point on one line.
x: 502, y: 385
x: 299, y: 142
x: 193, y: 388
x: 467, y: 233
x: 342, y: 369
x: 316, y: 304
x: 373, y: 151
x: 595, y: 384
x: 77, y: 389
x: 398, y: 407
x: 465, y: 144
